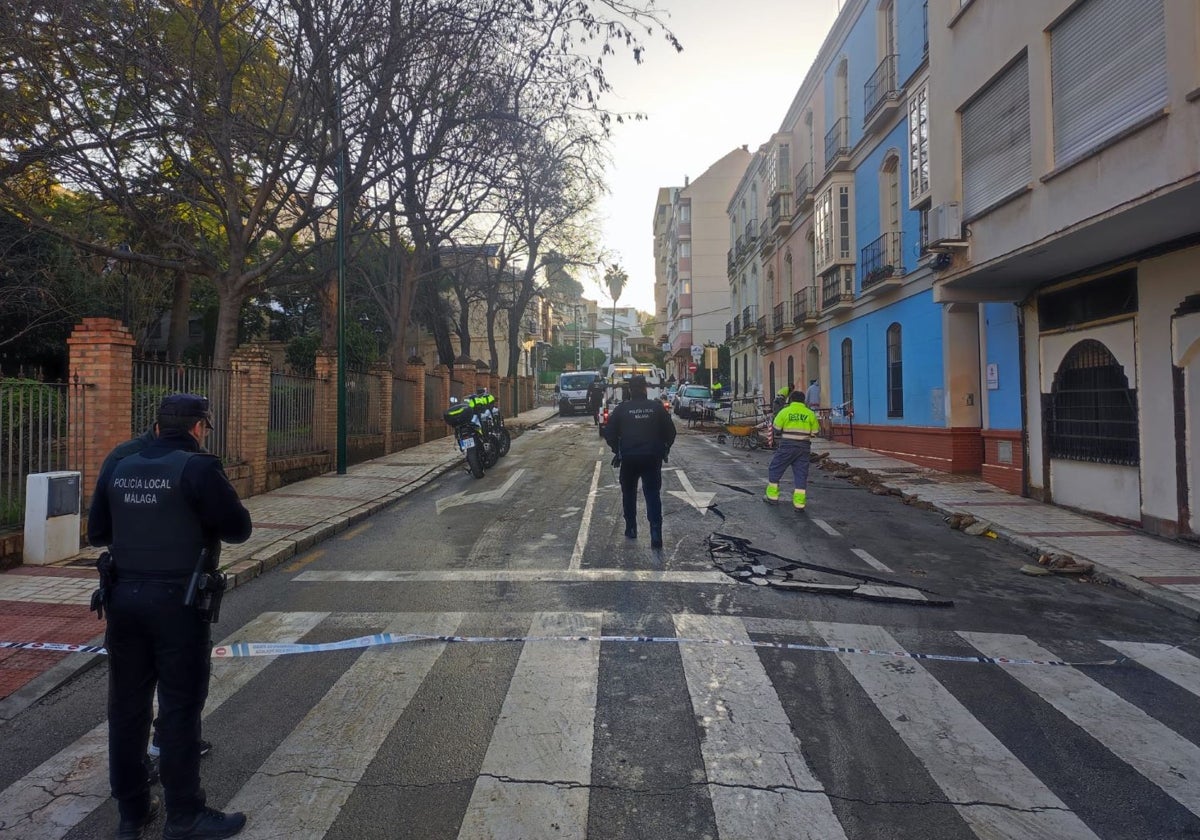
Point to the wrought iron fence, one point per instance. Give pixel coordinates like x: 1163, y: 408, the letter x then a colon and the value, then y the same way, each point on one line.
x: 36, y: 435
x: 362, y: 403
x: 404, y: 406
x: 881, y: 86
x: 154, y: 380
x: 292, y: 425
x: 433, y: 397
x: 837, y: 141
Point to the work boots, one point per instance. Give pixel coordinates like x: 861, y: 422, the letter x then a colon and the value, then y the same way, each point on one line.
x: 132, y: 829
x: 656, y: 536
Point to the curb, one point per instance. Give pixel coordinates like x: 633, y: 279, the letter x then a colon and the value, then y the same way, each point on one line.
x: 1178, y: 604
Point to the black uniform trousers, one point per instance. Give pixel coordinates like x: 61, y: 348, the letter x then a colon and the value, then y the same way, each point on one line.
x: 153, y: 638
x: 648, y: 470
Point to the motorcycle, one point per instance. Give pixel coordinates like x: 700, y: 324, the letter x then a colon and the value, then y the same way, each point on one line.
x: 497, y: 438
x: 468, y: 435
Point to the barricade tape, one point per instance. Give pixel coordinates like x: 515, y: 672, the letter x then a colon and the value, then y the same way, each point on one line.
x: 246, y: 649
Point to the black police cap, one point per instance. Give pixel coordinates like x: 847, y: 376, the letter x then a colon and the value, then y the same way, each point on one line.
x: 187, y: 406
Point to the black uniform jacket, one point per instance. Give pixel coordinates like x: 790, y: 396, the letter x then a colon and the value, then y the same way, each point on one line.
x: 204, y: 484
x: 640, y: 427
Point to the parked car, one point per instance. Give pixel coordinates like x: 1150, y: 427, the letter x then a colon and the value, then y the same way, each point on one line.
x: 685, y: 396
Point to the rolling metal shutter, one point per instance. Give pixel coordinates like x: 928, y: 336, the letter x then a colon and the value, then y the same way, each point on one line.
x: 996, y: 154
x: 1108, y: 61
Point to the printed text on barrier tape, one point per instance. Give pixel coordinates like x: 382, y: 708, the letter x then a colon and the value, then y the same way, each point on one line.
x: 246, y: 649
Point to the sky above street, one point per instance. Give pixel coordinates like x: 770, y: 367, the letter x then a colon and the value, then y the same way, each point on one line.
x: 741, y: 65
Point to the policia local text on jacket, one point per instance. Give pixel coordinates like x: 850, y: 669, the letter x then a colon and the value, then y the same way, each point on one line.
x: 641, y: 433
x: 794, y: 425
x: 157, y: 510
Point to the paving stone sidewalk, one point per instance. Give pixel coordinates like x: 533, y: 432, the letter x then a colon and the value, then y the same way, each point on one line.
x: 50, y: 603
x: 1166, y: 572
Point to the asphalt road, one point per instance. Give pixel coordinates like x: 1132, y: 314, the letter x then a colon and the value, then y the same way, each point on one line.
x: 691, y: 719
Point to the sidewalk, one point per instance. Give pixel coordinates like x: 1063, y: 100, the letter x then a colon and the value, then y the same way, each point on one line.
x: 50, y: 603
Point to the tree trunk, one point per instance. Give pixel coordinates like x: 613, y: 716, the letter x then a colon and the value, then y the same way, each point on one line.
x: 228, y: 309
x: 177, y: 337
x: 327, y: 294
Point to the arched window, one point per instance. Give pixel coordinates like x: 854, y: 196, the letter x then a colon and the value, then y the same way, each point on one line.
x: 791, y: 380
x: 889, y: 193
x: 842, y: 92
x: 847, y: 373
x: 1091, y: 412
x: 791, y: 274
x: 771, y: 376
x: 895, y: 373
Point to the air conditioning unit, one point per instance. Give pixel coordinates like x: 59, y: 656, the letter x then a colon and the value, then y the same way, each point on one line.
x: 945, y: 225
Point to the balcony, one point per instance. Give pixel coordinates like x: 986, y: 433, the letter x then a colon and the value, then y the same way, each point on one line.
x: 766, y: 237
x: 780, y: 207
x: 737, y: 324
x: 837, y: 290
x: 882, y: 267
x: 802, y: 189
x: 728, y: 331
x: 881, y: 98
x: 764, y: 335
x: 730, y: 263
x: 805, y: 309
x: 749, y: 325
x: 781, y: 319
x: 751, y: 232
x: 837, y: 146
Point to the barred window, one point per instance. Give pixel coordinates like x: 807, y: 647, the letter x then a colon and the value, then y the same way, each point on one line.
x: 1091, y: 412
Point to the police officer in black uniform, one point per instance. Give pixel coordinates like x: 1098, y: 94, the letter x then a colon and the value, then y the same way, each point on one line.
x: 163, y: 512
x: 640, y: 432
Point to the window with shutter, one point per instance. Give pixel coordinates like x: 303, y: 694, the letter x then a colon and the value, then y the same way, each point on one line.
x: 1108, y: 65
x: 997, y: 157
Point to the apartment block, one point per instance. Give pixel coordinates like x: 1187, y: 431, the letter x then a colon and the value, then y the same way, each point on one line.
x: 689, y: 250
x: 1064, y: 160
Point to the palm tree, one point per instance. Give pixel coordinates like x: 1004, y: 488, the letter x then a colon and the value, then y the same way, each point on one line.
x: 615, y: 278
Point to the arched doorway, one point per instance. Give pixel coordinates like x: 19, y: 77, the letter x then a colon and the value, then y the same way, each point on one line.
x: 812, y: 369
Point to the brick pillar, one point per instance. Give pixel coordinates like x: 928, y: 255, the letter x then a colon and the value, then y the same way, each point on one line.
x: 444, y: 373
x: 250, y: 412
x: 101, y: 355
x: 415, y: 373
x: 325, y: 410
x: 493, y: 387
x: 464, y: 373
x: 383, y: 374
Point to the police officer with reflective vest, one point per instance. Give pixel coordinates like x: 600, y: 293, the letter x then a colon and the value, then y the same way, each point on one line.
x: 794, y: 426
x: 163, y: 512
x: 641, y: 433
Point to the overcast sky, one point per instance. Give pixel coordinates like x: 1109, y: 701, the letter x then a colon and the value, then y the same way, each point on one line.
x: 741, y: 65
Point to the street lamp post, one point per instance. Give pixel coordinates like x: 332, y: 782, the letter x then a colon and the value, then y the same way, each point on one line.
x: 340, y: 235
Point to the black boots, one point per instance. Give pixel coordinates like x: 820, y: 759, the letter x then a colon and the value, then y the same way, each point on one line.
x: 630, y: 530
x: 656, y: 536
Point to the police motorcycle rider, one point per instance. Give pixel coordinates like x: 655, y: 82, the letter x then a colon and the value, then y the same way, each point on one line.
x: 163, y: 512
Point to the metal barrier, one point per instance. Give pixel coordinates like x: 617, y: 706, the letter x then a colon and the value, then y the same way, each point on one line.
x: 154, y: 380
x: 40, y: 424
x: 836, y: 422
x: 292, y: 427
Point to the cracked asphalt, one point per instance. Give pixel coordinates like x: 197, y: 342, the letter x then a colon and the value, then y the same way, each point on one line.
x: 628, y: 740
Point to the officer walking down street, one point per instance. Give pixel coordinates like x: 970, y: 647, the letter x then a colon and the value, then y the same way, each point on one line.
x: 163, y: 512
x: 640, y: 432
x: 794, y: 425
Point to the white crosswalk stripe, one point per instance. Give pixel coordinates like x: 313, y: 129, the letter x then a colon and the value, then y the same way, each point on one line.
x: 995, y: 793
x: 535, y: 777
x: 759, y: 782
x: 538, y: 765
x: 298, y: 791
x: 1167, y: 661
x: 60, y: 793
x: 1163, y: 757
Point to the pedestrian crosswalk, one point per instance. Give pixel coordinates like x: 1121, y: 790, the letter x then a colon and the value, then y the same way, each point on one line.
x: 767, y: 765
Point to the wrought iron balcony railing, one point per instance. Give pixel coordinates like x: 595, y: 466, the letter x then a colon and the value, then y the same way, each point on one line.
x: 880, y: 88
x: 837, y: 141
x: 882, y: 259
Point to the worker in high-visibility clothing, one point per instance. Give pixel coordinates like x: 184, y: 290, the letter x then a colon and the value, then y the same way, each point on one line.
x: 795, y: 426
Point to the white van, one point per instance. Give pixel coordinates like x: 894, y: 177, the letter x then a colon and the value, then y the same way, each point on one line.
x: 619, y: 374
x: 572, y: 390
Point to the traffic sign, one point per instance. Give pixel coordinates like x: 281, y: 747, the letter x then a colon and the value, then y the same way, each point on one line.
x: 697, y: 352
x: 693, y: 367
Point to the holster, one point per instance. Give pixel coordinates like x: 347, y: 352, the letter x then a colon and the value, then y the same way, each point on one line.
x: 108, y: 578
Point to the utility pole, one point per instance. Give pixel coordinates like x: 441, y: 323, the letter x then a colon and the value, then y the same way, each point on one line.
x: 578, y: 341
x: 341, y: 284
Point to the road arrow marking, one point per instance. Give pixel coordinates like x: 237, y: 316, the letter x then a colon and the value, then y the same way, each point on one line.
x: 700, y: 501
x: 486, y: 496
